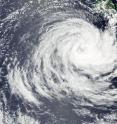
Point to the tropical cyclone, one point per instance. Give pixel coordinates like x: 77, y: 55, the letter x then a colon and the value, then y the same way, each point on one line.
x: 67, y: 52
x: 62, y: 64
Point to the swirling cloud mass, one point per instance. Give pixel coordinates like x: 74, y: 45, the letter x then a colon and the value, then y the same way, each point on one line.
x: 66, y: 75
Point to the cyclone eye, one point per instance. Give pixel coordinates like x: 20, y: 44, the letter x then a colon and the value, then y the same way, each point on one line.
x: 114, y: 82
